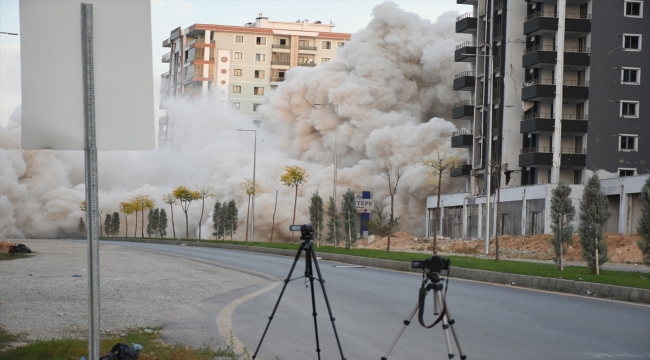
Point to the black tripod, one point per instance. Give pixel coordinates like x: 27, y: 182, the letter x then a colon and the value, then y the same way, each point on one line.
x: 432, y: 282
x: 307, y: 246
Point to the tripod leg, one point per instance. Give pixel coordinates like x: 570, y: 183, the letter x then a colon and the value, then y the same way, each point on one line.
x: 401, y: 331
x: 445, y: 325
x: 453, y: 332
x: 286, y: 282
x: 310, y: 275
x: 327, y: 302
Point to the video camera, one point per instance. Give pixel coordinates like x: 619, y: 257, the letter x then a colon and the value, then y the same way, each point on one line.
x: 435, y: 264
x: 306, y: 231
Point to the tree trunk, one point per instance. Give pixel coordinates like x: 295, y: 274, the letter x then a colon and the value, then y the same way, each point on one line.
x: 390, y: 223
x: 295, y: 202
x: 436, y: 221
x: 201, y: 218
x: 248, y: 213
x: 142, y: 229
x: 498, y: 227
x: 135, y: 231
x: 171, y: 207
x: 126, y: 226
x: 561, y: 243
x: 187, y: 227
x: 274, y: 210
x: 597, y: 269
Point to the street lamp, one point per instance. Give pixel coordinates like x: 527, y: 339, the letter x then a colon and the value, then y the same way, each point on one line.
x: 336, y: 158
x: 489, y: 153
x: 254, y: 184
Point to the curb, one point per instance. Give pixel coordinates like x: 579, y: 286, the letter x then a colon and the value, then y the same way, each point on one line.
x: 535, y: 282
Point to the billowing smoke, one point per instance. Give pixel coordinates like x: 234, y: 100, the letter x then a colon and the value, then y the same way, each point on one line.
x: 391, y: 87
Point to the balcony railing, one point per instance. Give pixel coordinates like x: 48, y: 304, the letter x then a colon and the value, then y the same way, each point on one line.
x: 277, y: 79
x: 573, y: 150
x: 310, y: 48
x: 539, y: 82
x: 275, y: 62
x: 461, y: 132
x: 537, y: 116
x: 496, y: 63
x: 539, y: 48
x: 536, y: 149
x: 546, y: 14
x: 278, y: 46
x: 498, y: 3
x: 577, y: 49
x: 464, y: 103
x: 465, y: 73
x: 465, y: 44
x: 577, y: 16
x: 467, y: 15
x: 575, y: 117
x: 498, y: 31
x: 460, y: 163
x: 307, y: 64
x: 576, y: 83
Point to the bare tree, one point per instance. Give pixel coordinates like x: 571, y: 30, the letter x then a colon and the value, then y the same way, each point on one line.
x: 439, y: 163
x: 204, y: 192
x: 394, y: 176
x: 274, y: 210
x: 171, y: 200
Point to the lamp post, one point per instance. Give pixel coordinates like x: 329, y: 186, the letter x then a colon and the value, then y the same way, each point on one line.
x: 336, y: 158
x: 254, y: 184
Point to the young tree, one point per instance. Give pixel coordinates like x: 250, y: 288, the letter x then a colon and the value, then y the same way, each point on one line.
x: 82, y: 226
x: 593, y: 216
x: 643, y: 226
x: 250, y: 189
x: 162, y: 223
x: 294, y: 177
x: 394, y: 178
x: 275, y: 208
x: 82, y: 206
x: 204, y: 192
x: 380, y: 225
x: 439, y: 163
x: 150, y: 224
x: 126, y: 208
x: 155, y: 219
x: 562, y: 213
x: 334, y: 223
x: 115, y: 223
x: 350, y: 217
x: 108, y: 225
x: 232, y: 218
x: 136, y: 206
x: 170, y: 200
x: 144, y: 202
x: 316, y: 216
x: 185, y: 196
x: 217, y: 224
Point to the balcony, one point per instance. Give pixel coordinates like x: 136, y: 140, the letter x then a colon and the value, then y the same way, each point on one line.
x: 166, y: 58
x: 465, y: 52
x: 277, y: 79
x: 310, y: 64
x: 497, y: 32
x: 167, y: 43
x: 463, y: 110
x: 536, y: 90
x: 466, y: 23
x: 278, y: 46
x: 281, y: 63
x: 573, y: 124
x: 539, y: 22
x: 462, y: 139
x: 466, y: 2
x: 575, y: 22
x: 461, y: 168
x: 573, y: 157
x: 577, y: 56
x: 465, y: 81
x: 307, y: 49
x: 546, y: 55
x: 536, y: 156
x: 537, y: 123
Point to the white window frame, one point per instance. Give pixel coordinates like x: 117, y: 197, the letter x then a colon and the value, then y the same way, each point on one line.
x: 259, y: 56
x: 238, y: 52
x: 255, y: 90
x: 242, y: 39
x: 322, y: 43
x: 256, y: 72
x: 236, y: 105
x: 636, y: 35
x: 640, y: 9
x: 636, y: 142
x: 626, y: 169
x: 636, y: 108
x: 261, y: 37
x: 234, y: 72
x: 238, y: 87
x: 638, y: 76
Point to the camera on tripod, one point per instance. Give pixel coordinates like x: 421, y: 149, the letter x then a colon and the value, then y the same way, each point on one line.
x: 306, y: 231
x: 435, y: 264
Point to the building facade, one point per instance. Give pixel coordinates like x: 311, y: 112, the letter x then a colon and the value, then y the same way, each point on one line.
x: 554, y: 92
x: 237, y: 65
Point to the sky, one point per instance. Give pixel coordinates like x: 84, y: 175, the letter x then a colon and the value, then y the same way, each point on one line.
x: 349, y: 16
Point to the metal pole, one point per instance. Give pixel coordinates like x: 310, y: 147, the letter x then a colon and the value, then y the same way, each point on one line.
x: 336, y: 157
x: 559, y: 82
x: 90, y: 157
x: 254, y: 188
x: 489, y: 157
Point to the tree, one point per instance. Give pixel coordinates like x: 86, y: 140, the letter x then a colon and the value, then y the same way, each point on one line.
x: 127, y: 209
x: 350, y: 217
x: 231, y: 218
x: 155, y: 219
x: 394, y: 178
x: 316, y: 216
x: 136, y: 206
x: 562, y: 213
x: 334, y: 223
x: 108, y: 225
x: 275, y: 208
x: 294, y: 177
x: 217, y: 223
x: 380, y: 225
x: 204, y: 192
x: 82, y: 226
x: 162, y: 223
x: 170, y: 200
x: 593, y: 216
x: 643, y: 226
x: 185, y: 196
x: 144, y: 202
x: 151, y: 230
x: 115, y: 223
x: 250, y: 188
x: 439, y: 163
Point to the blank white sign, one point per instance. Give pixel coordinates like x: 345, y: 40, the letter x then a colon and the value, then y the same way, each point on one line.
x: 52, y: 74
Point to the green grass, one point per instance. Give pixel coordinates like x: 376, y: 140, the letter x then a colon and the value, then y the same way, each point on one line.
x: 13, y: 256
x: 74, y: 349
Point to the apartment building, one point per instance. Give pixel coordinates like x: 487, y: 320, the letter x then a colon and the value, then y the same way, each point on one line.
x: 237, y: 65
x: 554, y: 90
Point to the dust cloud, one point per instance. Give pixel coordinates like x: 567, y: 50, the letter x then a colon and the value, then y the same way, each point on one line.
x: 391, y: 86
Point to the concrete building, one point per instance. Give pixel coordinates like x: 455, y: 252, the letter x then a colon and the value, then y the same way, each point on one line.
x: 555, y: 91
x: 239, y: 64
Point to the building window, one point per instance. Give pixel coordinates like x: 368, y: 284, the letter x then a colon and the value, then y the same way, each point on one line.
x: 260, y: 40
x: 239, y: 55
x: 239, y: 39
x: 236, y: 89
x: 273, y: 87
x: 303, y: 43
x: 327, y: 45
x: 340, y: 44
x: 236, y: 106
x: 255, y: 107
x: 631, y: 42
x: 237, y: 72
x: 626, y: 172
x: 628, y: 142
x: 634, y: 9
x: 630, y: 109
x: 258, y: 90
x: 323, y: 60
x: 631, y: 76
x: 259, y: 74
x: 260, y: 57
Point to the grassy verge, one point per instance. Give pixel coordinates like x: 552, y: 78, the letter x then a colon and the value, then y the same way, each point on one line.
x: 579, y: 273
x: 74, y: 349
x: 12, y: 256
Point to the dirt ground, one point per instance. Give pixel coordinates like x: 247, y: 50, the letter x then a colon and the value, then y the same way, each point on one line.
x: 622, y: 248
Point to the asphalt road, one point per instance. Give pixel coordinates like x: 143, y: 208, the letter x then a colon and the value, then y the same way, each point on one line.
x: 492, y: 321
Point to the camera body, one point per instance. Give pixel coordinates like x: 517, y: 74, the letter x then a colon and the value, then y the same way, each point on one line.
x: 435, y: 264
x: 306, y: 231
